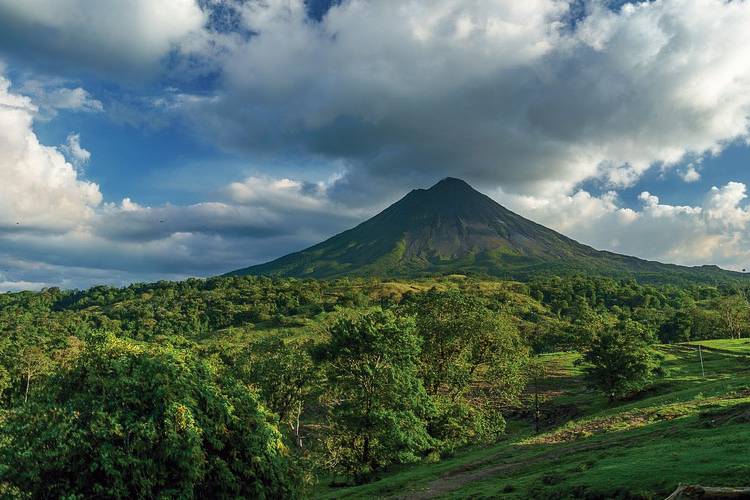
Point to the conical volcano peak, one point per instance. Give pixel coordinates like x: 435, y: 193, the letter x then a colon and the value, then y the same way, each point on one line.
x: 450, y: 197
x: 453, y: 184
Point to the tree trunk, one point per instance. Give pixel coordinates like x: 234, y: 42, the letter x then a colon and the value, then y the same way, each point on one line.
x: 536, y: 405
x: 28, y: 382
x: 296, y: 430
x: 366, y: 451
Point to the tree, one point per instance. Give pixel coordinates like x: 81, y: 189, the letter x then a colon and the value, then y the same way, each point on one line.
x: 734, y: 312
x: 33, y: 362
x: 462, y: 339
x: 144, y: 421
x: 377, y: 406
x: 620, y: 359
x: 285, y: 375
x: 472, y: 363
x: 537, y: 371
x: 679, y: 327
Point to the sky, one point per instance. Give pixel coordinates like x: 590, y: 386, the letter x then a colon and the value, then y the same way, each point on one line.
x: 143, y: 140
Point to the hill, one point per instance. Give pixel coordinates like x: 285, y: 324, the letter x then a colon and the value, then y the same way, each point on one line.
x: 452, y: 228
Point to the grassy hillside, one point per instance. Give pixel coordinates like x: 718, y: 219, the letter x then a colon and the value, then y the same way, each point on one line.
x: 685, y: 429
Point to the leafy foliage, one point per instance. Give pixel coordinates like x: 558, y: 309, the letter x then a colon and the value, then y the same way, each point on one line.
x: 285, y: 375
x: 133, y: 420
x: 376, y: 402
x: 466, y: 345
x: 620, y: 359
x: 103, y: 380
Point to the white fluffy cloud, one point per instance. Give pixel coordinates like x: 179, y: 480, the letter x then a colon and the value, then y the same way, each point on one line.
x: 716, y: 231
x: 40, y: 190
x: 116, y: 36
x: 75, y: 98
x: 78, y: 155
x: 690, y: 174
x: 53, y: 95
x: 55, y: 228
x: 528, y: 96
x: 286, y: 194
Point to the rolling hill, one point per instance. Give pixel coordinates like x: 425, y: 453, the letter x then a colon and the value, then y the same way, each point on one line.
x: 452, y: 228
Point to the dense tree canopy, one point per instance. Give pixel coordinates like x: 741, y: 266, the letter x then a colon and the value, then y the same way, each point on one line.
x: 465, y: 346
x: 376, y: 402
x: 132, y: 420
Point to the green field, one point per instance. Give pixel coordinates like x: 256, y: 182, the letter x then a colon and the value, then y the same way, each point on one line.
x: 684, y: 429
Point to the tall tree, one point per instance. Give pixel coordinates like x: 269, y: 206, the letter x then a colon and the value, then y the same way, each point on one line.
x: 734, y: 312
x: 463, y: 339
x: 472, y: 363
x: 376, y: 402
x: 285, y: 375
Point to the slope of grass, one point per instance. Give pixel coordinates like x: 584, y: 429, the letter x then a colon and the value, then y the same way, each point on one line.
x: 685, y: 428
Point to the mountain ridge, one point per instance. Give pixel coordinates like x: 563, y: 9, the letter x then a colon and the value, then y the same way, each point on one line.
x: 452, y: 228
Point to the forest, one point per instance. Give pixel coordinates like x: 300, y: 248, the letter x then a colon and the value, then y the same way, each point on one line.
x: 274, y: 388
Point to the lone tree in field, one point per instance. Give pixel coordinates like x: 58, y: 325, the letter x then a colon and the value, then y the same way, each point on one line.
x: 619, y: 360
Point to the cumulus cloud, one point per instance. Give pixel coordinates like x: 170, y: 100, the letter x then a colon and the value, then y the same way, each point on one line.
x: 17, y: 286
x: 76, y: 99
x: 55, y: 228
x: 119, y: 36
x: 528, y: 96
x: 40, y: 189
x: 502, y: 93
x: 52, y: 95
x: 132, y: 241
x: 288, y: 194
x: 716, y: 231
x: 690, y: 174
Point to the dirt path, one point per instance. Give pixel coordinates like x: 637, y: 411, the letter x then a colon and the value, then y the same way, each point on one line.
x: 477, y: 471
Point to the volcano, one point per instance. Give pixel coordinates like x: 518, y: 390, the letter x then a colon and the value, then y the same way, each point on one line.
x: 451, y: 228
